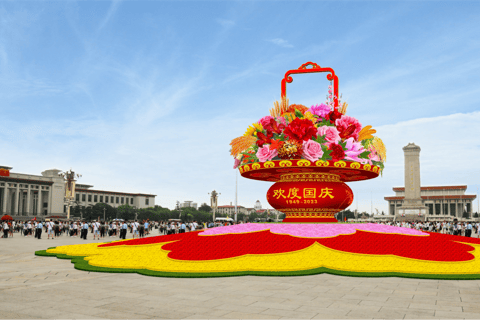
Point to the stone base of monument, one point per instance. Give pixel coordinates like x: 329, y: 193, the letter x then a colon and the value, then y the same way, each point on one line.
x: 413, y: 213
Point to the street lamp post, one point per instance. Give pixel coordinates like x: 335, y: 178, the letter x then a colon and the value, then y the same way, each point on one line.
x: 69, y: 198
x: 104, y: 213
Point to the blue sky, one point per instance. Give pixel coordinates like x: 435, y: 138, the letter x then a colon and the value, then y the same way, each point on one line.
x: 146, y: 96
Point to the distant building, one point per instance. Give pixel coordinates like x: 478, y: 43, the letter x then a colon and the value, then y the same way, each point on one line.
x: 441, y: 201
x: 416, y: 202
x: 230, y: 210
x: 25, y: 196
x: 188, y: 204
x: 258, y: 205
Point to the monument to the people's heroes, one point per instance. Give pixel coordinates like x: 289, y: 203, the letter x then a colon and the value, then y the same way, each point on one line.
x: 413, y: 201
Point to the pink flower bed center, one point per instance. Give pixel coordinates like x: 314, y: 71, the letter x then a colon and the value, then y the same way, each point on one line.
x: 311, y: 230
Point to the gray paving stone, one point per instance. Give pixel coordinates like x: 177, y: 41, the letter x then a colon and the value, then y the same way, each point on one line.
x: 44, y: 282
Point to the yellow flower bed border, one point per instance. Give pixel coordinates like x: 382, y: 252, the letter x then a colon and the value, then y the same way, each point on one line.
x: 81, y: 264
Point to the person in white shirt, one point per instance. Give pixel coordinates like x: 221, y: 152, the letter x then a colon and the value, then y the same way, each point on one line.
x: 96, y: 231
x: 135, y: 229
x: 29, y: 228
x: 49, y: 229
x: 5, y: 229
x: 194, y: 226
x: 38, y: 229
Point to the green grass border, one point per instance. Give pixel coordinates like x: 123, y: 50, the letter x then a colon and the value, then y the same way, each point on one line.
x: 81, y: 264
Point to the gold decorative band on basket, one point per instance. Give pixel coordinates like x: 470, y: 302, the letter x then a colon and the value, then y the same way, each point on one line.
x: 310, y: 176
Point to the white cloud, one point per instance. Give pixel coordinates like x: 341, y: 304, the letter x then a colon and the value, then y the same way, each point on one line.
x: 226, y: 23
x: 449, y: 149
x: 281, y: 42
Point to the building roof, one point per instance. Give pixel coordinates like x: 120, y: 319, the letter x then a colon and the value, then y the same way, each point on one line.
x: 115, y: 193
x: 19, y: 180
x: 428, y: 188
x: 229, y: 207
x: 456, y: 197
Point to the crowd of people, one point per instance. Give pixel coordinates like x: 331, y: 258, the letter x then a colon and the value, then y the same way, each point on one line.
x: 100, y: 229
x: 446, y: 227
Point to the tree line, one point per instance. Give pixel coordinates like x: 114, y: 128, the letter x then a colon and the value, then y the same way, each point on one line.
x: 157, y: 213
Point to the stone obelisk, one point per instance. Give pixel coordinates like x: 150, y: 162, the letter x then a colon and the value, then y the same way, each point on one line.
x: 412, y: 204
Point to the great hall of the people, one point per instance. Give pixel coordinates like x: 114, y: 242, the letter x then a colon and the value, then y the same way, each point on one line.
x: 24, y: 196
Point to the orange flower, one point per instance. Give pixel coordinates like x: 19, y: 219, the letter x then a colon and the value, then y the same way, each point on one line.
x: 298, y: 107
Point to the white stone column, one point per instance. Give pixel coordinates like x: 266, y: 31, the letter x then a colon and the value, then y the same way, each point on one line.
x: 28, y: 200
x: 5, y: 199
x: 16, y: 201
x: 449, y: 208
x: 39, y: 202
x: 49, y: 199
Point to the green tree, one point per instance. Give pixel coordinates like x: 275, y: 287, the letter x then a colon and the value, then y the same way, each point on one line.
x: 476, y: 215
x: 345, y: 214
x: 97, y: 211
x: 205, y: 207
x: 465, y: 215
x: 126, y: 212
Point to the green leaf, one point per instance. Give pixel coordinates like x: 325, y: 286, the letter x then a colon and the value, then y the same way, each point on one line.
x: 320, y: 139
x: 326, y: 155
x: 325, y: 122
x: 364, y: 155
x: 343, y: 144
x: 280, y: 137
x: 366, y: 142
x: 298, y: 114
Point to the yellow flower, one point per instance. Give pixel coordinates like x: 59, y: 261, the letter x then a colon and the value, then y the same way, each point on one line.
x: 258, y: 126
x: 308, y: 115
x: 252, y: 130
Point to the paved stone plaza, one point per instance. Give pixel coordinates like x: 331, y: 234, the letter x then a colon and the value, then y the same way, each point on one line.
x: 47, y: 287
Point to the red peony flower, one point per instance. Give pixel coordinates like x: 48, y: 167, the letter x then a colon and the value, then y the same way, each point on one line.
x: 301, y: 130
x: 337, y: 152
x: 348, y: 127
x: 333, y: 115
x: 262, y: 139
x: 273, y: 127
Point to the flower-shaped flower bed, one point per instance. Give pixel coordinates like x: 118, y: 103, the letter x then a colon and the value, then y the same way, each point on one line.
x: 285, y: 250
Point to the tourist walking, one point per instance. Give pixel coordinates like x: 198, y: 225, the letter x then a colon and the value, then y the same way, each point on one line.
x: 5, y: 229
x: 38, y: 230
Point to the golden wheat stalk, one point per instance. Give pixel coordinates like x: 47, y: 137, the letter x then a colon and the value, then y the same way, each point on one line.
x: 343, y: 108
x: 279, y: 107
x: 241, y: 144
x: 377, y: 143
x: 366, y: 133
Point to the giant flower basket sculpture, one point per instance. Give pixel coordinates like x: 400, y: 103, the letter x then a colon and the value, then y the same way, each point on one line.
x: 309, y: 153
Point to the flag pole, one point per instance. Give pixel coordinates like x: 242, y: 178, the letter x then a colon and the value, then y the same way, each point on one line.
x: 236, y: 193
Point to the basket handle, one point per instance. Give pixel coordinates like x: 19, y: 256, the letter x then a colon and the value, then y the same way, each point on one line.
x: 315, y: 68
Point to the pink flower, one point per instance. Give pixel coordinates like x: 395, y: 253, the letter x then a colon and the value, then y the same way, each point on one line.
x: 265, y: 154
x: 354, y: 149
x: 331, y: 133
x: 348, y: 127
x: 265, y: 121
x: 281, y: 120
x: 373, y: 156
x: 236, y: 163
x: 320, y: 110
x: 312, y: 150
